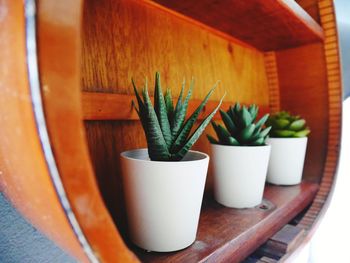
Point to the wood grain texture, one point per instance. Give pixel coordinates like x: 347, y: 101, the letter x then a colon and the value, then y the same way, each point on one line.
x: 229, y: 235
x: 304, y: 91
x: 267, y: 25
x: 273, y: 82
x: 24, y: 176
x: 127, y: 38
x: 331, y: 52
x: 59, y: 59
x: 109, y: 106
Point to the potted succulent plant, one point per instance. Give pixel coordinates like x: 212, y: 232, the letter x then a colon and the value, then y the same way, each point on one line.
x: 288, y: 139
x: 240, y: 157
x: 164, y: 183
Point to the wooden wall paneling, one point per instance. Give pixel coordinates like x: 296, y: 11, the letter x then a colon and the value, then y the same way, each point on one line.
x: 59, y: 50
x: 24, y: 176
x: 273, y: 82
x: 267, y: 25
x: 304, y: 91
x: 127, y: 38
x: 333, y: 73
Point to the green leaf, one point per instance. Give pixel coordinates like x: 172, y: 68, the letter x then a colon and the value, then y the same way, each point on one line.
x: 280, y: 124
x: 161, y: 111
x: 253, y: 110
x: 283, y: 133
x: 247, y: 133
x: 186, y: 128
x: 258, y: 142
x: 246, y: 117
x: 180, y: 112
x: 157, y: 148
x: 297, y: 125
x: 261, y: 122
x: 169, y: 105
x: 265, y: 132
x: 194, y: 137
x: 302, y: 133
x: 212, y: 139
x: 139, y: 100
x: 228, y: 122
x: 232, y: 141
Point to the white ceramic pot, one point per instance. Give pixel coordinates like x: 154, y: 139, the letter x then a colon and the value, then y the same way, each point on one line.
x: 239, y: 174
x: 163, y: 199
x: 287, y: 160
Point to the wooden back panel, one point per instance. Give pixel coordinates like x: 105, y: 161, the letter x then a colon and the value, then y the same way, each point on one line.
x: 124, y: 39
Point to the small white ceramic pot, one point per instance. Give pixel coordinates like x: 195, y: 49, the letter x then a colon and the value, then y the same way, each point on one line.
x: 163, y: 199
x: 239, y: 174
x: 287, y: 160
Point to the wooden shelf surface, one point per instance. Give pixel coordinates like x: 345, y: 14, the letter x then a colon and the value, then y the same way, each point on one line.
x: 266, y: 25
x: 230, y: 235
x: 109, y: 106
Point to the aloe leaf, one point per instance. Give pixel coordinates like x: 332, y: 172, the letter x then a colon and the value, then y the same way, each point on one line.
x: 161, y: 111
x: 265, y: 132
x: 186, y: 129
x: 228, y: 122
x: 212, y: 139
x: 139, y: 100
x: 247, y: 132
x: 194, y: 137
x: 297, y: 125
x: 180, y: 113
x: 157, y: 148
x: 302, y: 133
x: 169, y: 105
x: 261, y: 122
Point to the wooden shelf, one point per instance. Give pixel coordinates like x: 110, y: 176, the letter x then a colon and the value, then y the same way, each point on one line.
x: 108, y: 106
x: 266, y: 25
x: 230, y: 235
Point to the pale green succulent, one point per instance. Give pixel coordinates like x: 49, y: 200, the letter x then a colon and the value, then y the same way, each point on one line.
x: 168, y: 135
x: 240, y: 127
x: 286, y: 125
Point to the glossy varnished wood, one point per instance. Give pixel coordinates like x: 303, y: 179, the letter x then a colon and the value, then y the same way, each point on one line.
x: 109, y: 106
x: 304, y: 91
x: 59, y: 59
x: 229, y: 235
x: 24, y: 176
x: 267, y: 25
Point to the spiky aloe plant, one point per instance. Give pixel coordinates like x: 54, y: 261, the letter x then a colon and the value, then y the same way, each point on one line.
x: 286, y: 125
x: 168, y: 135
x: 240, y: 127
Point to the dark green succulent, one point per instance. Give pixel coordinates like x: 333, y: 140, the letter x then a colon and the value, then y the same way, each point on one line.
x: 168, y: 135
x: 286, y: 125
x: 240, y: 127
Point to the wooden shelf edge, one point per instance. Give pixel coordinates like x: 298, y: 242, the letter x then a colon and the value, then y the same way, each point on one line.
x: 109, y: 106
x: 276, y: 13
x: 230, y: 235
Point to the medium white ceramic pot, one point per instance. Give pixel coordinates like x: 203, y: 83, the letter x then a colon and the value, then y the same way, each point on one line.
x: 239, y: 174
x: 287, y: 160
x: 163, y: 199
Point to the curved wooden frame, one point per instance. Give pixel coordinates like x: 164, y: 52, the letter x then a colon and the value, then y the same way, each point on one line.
x: 59, y: 48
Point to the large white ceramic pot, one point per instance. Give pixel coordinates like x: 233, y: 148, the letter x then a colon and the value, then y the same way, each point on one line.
x: 239, y: 174
x: 163, y: 199
x: 287, y: 160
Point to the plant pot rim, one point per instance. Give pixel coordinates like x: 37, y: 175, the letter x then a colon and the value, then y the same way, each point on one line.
x: 241, y: 146
x: 284, y: 138
x: 199, y: 157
